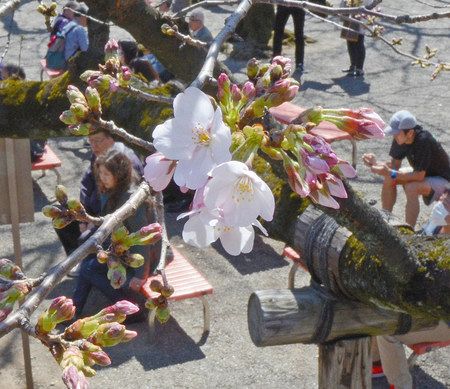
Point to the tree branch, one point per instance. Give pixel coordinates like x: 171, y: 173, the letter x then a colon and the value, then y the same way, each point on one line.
x: 9, y: 7
x: 57, y: 273
x: 206, y: 72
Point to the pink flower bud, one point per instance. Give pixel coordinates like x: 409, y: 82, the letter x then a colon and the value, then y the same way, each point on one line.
x: 223, y: 88
x: 236, y: 93
x: 284, y: 62
x: 249, y: 90
x: 122, y: 307
x: 150, y: 229
x: 74, y: 379
x: 111, y: 46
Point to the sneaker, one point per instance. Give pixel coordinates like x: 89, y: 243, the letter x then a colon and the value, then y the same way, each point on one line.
x: 75, y: 272
x: 351, y: 69
x: 358, y: 73
x: 298, y: 73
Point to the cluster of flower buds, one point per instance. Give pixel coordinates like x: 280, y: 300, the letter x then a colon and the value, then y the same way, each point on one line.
x: 61, y: 309
x: 160, y: 303
x: 118, y: 257
x: 13, y: 287
x: 110, y: 76
x: 269, y: 85
x: 82, y: 341
x: 65, y: 213
x: 47, y: 10
x: 361, y: 123
x: 83, y: 108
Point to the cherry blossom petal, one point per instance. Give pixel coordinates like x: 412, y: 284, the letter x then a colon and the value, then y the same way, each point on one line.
x: 158, y: 171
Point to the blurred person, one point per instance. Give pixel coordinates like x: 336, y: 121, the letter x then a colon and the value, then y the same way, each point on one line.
x: 197, y: 27
x: 164, y: 74
x: 63, y: 18
x: 75, y: 33
x: 428, y: 175
x: 281, y: 18
x: 355, y: 40
x: 129, y: 56
x: 115, y: 180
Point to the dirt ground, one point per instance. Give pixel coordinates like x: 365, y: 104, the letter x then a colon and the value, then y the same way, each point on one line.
x: 228, y: 359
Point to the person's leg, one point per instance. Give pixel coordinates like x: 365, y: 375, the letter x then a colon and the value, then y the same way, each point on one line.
x: 360, y: 53
x: 393, y: 360
x: 412, y: 191
x: 69, y: 236
x: 351, y: 54
x: 83, y: 285
x: 299, y: 24
x: 280, y: 22
x: 388, y: 194
x: 99, y: 279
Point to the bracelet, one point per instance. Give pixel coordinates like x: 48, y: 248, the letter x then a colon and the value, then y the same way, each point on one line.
x: 394, y: 174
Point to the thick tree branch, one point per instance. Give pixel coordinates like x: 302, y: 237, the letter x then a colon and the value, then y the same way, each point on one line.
x: 9, y: 7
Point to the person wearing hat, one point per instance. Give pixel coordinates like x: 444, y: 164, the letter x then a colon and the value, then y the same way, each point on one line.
x: 75, y: 34
x: 197, y: 27
x: 64, y: 18
x: 428, y: 175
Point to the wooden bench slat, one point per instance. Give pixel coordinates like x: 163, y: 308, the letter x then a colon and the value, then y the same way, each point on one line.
x: 422, y: 348
x: 187, y: 281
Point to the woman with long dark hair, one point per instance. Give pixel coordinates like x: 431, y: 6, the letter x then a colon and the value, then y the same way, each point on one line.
x: 115, y: 179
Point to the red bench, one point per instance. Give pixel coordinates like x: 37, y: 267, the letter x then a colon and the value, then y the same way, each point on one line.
x: 48, y: 161
x: 51, y: 73
x: 287, y: 112
x: 422, y: 348
x: 187, y: 282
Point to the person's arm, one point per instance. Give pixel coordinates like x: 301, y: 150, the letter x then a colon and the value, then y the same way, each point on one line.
x: 83, y: 39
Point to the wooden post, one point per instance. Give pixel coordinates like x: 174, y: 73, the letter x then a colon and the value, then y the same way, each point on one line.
x: 15, y: 226
x: 345, y: 364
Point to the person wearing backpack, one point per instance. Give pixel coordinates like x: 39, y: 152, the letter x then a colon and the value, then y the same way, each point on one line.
x: 63, y: 18
x: 75, y: 33
x: 70, y: 40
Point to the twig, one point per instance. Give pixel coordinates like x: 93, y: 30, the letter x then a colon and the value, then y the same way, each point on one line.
x: 56, y: 274
x: 111, y: 127
x: 186, y: 39
x: 400, y: 19
x: 205, y: 3
x: 230, y: 26
x: 146, y: 96
x: 160, y: 218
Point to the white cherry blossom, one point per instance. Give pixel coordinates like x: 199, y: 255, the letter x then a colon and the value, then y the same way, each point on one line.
x: 239, y: 193
x: 197, y: 137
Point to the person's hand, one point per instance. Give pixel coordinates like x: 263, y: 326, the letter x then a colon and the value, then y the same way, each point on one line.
x: 381, y: 170
x: 369, y: 159
x: 136, y: 284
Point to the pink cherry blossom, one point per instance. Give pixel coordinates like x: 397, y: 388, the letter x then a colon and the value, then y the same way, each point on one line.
x: 158, y: 171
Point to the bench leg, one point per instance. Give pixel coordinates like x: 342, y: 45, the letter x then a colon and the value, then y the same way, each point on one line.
x: 58, y: 176
x: 291, y: 277
x: 206, y: 315
x: 151, y: 325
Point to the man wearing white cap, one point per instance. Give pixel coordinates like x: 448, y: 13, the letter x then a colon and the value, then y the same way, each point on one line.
x: 429, y: 174
x: 197, y: 27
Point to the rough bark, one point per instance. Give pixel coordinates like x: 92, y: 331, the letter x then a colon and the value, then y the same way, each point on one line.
x: 312, y: 315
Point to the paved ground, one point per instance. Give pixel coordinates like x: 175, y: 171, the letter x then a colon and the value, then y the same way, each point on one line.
x: 228, y: 359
